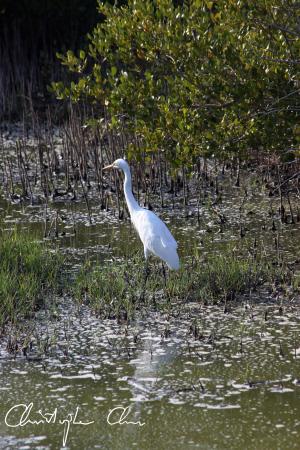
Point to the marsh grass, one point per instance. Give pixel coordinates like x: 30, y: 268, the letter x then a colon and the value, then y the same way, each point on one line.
x: 28, y: 271
x: 117, y: 289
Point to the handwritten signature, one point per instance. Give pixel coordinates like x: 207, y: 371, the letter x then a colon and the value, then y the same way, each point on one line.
x: 23, y: 412
x: 21, y: 415
x: 120, y: 417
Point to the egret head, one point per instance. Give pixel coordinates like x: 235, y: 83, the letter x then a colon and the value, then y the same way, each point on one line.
x: 119, y: 164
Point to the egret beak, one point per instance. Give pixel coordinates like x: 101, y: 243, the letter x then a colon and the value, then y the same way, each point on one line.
x: 111, y: 166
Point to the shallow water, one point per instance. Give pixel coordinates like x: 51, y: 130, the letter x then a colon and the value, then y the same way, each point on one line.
x: 236, y: 386
x: 199, y: 379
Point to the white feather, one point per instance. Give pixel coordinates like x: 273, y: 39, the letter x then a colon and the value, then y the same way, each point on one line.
x: 156, y: 237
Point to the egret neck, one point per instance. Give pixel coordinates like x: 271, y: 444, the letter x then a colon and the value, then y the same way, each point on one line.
x: 133, y: 205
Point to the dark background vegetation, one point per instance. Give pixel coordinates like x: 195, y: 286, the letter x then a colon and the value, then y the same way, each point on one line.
x: 31, y: 33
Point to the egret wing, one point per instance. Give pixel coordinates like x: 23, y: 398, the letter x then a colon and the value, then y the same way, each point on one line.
x: 156, y: 237
x: 150, y: 228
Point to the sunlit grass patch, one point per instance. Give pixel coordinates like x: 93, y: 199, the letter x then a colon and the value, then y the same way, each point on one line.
x: 28, y: 271
x: 223, y: 277
x: 112, y: 289
x: 117, y: 289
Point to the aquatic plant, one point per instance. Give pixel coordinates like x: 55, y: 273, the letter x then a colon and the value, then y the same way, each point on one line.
x: 118, y: 288
x: 28, y: 270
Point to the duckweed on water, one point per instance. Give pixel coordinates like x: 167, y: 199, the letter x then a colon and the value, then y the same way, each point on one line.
x: 28, y: 271
x: 117, y: 289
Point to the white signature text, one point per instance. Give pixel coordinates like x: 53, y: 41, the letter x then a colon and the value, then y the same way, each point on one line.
x: 21, y: 415
x: 118, y: 416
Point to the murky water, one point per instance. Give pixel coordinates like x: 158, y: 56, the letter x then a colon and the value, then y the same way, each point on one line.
x: 200, y: 378
x: 235, y: 386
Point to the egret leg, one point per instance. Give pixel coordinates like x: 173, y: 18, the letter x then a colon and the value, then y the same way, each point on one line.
x: 146, y: 274
x: 146, y: 269
x: 164, y: 273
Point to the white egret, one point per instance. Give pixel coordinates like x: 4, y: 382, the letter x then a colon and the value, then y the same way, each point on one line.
x: 153, y: 232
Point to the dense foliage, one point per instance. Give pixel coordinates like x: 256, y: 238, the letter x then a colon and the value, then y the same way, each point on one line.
x: 199, y: 78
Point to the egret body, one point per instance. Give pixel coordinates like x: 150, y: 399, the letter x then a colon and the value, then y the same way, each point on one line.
x: 153, y: 232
